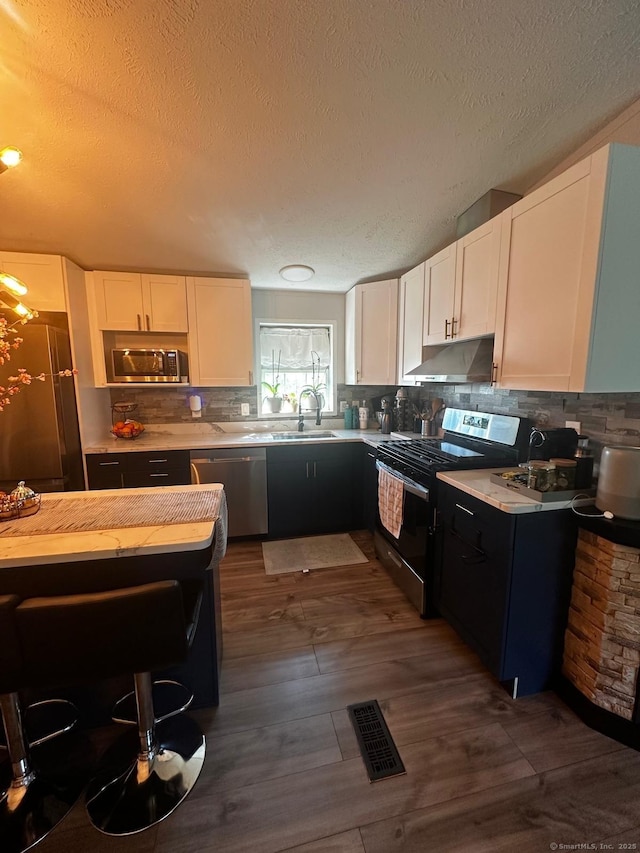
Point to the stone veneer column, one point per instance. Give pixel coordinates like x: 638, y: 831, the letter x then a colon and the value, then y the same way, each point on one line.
x: 602, y: 641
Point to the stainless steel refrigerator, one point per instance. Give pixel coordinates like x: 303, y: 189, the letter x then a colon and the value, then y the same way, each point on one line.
x: 39, y: 435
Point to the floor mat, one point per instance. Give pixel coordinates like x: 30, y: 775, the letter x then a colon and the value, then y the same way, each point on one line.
x: 311, y: 552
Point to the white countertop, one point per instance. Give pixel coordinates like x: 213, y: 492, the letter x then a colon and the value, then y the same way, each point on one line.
x: 150, y: 440
x: 43, y: 549
x: 478, y: 484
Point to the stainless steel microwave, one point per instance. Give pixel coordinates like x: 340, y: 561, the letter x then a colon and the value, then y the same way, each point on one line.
x: 149, y: 365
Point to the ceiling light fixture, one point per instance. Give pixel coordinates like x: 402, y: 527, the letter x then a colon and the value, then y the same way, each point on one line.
x: 297, y: 272
x: 16, y: 306
x: 9, y: 157
x: 13, y: 284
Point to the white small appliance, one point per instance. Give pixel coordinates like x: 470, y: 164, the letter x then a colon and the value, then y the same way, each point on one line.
x: 619, y: 482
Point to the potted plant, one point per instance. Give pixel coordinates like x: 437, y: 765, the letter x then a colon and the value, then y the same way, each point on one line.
x: 273, y: 401
x: 315, y: 390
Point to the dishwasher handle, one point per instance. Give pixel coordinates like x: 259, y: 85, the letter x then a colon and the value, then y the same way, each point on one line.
x: 198, y: 464
x: 214, y: 461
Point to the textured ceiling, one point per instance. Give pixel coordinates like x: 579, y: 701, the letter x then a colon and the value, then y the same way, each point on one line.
x: 237, y: 136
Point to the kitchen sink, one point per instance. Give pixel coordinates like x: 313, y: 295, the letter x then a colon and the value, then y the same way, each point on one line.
x: 294, y: 436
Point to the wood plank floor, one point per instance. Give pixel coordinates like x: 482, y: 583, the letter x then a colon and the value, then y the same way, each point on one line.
x: 283, y: 771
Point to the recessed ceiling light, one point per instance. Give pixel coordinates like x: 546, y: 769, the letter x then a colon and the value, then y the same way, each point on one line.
x: 297, y: 272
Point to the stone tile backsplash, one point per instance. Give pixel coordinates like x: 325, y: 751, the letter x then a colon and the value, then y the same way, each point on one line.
x: 605, y: 418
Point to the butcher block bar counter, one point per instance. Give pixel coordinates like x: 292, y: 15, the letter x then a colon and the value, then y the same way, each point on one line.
x: 81, y: 542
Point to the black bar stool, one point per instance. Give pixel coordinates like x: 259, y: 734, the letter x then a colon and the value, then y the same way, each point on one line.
x: 146, y: 774
x: 36, y: 799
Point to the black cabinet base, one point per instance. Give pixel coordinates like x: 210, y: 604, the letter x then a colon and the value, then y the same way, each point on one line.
x: 624, y: 731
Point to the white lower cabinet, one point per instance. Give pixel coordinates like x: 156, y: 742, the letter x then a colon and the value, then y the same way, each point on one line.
x: 220, y: 332
x: 371, y: 328
x: 569, y: 293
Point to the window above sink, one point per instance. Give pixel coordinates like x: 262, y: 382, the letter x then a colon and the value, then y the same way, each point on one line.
x: 295, y: 368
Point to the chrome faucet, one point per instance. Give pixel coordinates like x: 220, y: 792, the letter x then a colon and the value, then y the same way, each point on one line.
x: 300, y: 421
x: 318, y: 407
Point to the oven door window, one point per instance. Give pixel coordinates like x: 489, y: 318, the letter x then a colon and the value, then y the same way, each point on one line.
x: 414, y: 533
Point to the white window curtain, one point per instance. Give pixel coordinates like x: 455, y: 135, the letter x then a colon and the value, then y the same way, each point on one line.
x: 294, y: 348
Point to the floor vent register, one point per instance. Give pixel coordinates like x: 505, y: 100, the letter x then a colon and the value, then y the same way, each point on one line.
x: 378, y: 750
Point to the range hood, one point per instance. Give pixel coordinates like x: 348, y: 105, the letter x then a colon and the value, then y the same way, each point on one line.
x: 458, y: 362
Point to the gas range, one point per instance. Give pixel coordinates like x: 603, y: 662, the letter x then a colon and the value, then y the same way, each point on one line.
x: 405, y: 540
x: 419, y: 459
x: 471, y: 440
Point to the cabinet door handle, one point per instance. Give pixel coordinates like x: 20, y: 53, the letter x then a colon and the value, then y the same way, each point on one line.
x: 102, y: 464
x: 158, y: 475
x: 446, y: 330
x: 151, y: 461
x: 454, y: 330
x: 251, y: 377
x: 307, y: 466
x: 148, y: 323
x: 139, y: 322
x: 464, y: 509
x: 315, y: 472
x: 494, y: 374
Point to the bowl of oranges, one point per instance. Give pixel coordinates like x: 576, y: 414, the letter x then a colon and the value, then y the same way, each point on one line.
x: 127, y: 429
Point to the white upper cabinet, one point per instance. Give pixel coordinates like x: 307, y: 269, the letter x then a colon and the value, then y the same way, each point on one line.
x: 411, y: 312
x: 439, y: 296
x: 220, y: 332
x: 164, y: 298
x: 371, y: 329
x: 569, y: 292
x: 461, y: 287
x: 43, y: 276
x: 140, y: 302
x: 476, y: 290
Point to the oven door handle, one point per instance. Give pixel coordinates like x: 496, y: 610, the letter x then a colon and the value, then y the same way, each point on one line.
x: 408, y: 485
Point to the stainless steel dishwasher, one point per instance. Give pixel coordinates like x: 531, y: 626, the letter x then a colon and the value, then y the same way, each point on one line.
x: 243, y: 473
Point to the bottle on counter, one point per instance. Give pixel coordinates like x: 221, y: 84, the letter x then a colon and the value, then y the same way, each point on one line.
x: 386, y: 420
x: 363, y: 417
x: 355, y: 415
x: 348, y: 418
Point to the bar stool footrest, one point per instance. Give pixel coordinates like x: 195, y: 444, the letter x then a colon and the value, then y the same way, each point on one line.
x: 170, y: 698
x: 46, y: 720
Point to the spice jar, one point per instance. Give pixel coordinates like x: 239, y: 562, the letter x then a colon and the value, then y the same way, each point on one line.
x: 541, y: 474
x: 565, y: 473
